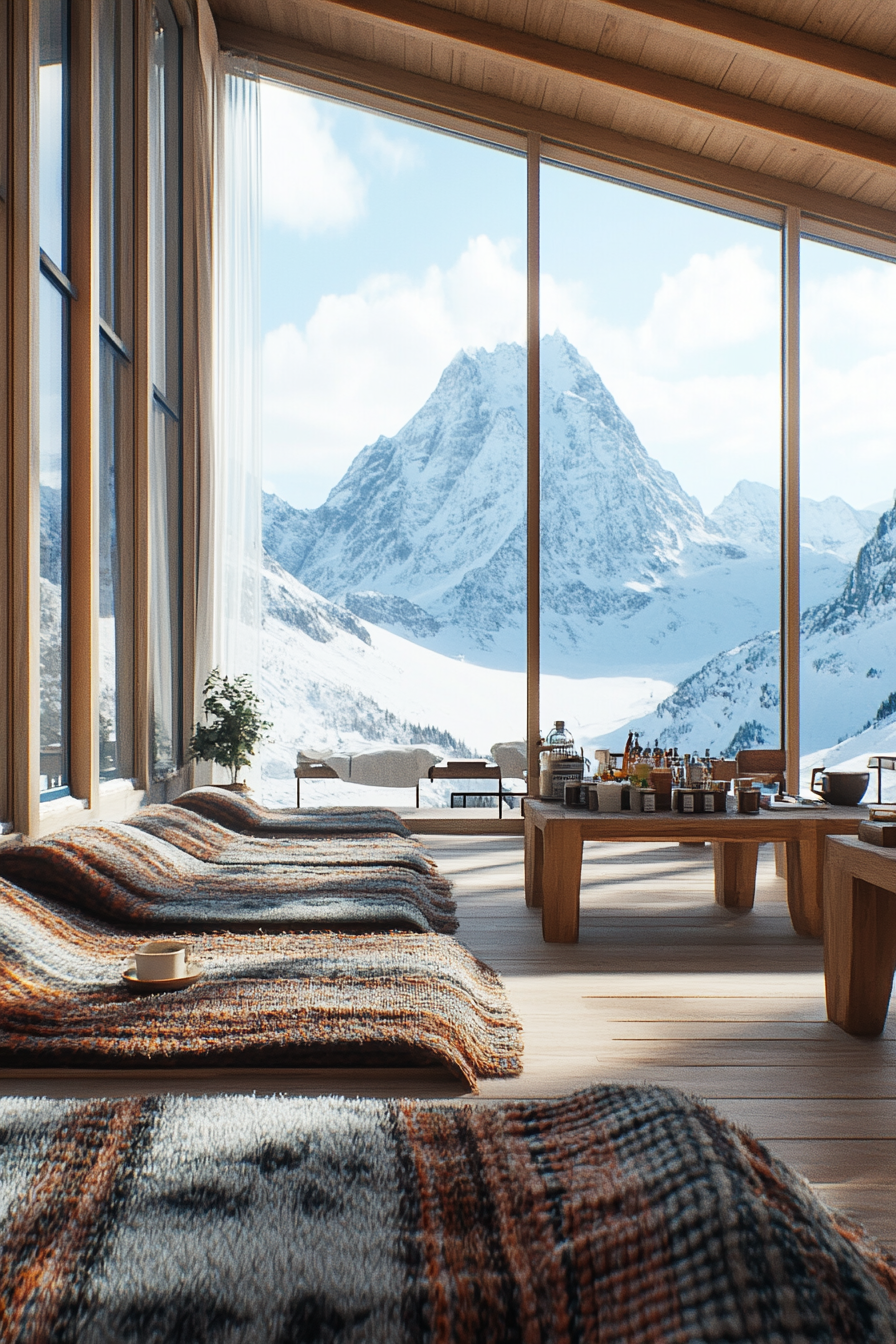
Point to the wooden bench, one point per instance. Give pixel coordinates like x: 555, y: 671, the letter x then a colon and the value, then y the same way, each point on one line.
x: 859, y: 933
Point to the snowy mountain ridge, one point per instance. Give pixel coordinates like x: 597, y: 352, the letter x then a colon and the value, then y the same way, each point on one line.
x: 425, y: 533
x: 847, y: 662
x: 750, y: 516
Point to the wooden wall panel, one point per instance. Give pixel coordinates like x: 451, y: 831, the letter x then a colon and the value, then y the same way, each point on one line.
x: 5, y: 802
x: 24, y: 501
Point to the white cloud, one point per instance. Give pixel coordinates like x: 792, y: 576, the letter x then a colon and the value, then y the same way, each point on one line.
x: 714, y: 302
x: 858, y: 307
x: 395, y: 154
x: 367, y: 361
x: 308, y: 183
x: 848, y: 377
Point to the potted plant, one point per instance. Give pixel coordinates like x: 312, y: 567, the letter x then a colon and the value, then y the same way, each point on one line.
x: 234, y: 724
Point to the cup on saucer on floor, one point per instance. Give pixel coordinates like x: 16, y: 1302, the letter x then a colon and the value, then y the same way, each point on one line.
x: 161, y: 959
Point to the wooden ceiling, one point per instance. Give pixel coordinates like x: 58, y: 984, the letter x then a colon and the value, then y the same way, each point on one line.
x: 790, y: 100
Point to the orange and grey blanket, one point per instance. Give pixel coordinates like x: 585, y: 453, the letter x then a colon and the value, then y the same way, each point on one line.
x: 275, y: 999
x: 213, y: 843
x: 240, y: 812
x: 618, y: 1215
x: 130, y: 875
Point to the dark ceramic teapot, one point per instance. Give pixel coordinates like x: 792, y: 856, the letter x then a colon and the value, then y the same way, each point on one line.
x: 842, y: 788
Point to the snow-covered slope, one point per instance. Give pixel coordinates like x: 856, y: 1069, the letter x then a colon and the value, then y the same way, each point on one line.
x: 329, y: 679
x: 848, y: 670
x: 425, y: 533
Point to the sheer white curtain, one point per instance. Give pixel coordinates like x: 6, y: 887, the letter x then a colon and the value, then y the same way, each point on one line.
x: 229, y: 615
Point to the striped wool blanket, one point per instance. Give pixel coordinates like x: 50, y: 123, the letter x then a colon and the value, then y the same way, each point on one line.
x: 315, y: 998
x: 622, y: 1215
x: 127, y: 876
x: 213, y: 843
x: 240, y: 812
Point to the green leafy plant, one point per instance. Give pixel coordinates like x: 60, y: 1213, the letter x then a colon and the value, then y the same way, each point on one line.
x: 234, y: 727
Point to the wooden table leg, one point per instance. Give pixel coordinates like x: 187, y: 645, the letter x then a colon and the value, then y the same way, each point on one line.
x: 534, y: 862
x: 734, y: 862
x: 561, y: 880
x: 859, y: 951
x: 805, y: 876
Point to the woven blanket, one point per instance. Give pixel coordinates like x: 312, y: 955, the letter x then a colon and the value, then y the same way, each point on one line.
x: 322, y: 998
x: 618, y: 1215
x: 239, y: 812
x: 213, y: 843
x: 127, y: 877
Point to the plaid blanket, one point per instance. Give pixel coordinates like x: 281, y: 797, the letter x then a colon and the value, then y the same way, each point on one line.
x: 213, y: 843
x: 240, y: 812
x: 321, y: 998
x: 127, y: 876
x: 623, y: 1215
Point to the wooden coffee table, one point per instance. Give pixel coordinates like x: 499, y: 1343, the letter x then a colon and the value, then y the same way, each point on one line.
x: 554, y: 836
x: 859, y: 934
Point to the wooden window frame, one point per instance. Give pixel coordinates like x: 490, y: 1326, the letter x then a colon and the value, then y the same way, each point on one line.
x: 797, y: 211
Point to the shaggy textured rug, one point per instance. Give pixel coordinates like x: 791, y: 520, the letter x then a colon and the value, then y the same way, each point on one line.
x: 240, y: 812
x: 316, y: 998
x: 127, y: 876
x: 619, y: 1215
x: 213, y: 843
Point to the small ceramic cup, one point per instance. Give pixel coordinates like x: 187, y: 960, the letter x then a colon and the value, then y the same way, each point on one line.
x: 748, y: 800
x: 162, y: 959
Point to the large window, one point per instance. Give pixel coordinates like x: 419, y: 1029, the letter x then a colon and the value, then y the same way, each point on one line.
x: 660, y: 468
x: 56, y: 293
x: 115, y: 483
x: 848, y: 526
x: 394, y: 362
x: 165, y: 447
x: 395, y: 471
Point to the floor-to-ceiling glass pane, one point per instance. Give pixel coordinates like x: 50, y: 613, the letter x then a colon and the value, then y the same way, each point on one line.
x: 165, y: 436
x: 116, y: 662
x: 660, y: 444
x: 115, y: 477
x: 848, y: 472
x: 53, y: 392
x: 53, y: 540
x: 164, y: 592
x: 52, y: 128
x: 394, y: 432
x: 110, y: 150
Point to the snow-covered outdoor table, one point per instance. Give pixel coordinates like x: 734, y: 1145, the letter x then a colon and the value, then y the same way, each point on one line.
x: 398, y: 767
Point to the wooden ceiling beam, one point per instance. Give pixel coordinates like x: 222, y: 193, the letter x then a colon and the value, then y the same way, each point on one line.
x: 387, y: 87
x: 539, y: 53
x: 763, y: 37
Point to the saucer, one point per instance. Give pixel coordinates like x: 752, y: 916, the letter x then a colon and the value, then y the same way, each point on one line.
x: 129, y: 976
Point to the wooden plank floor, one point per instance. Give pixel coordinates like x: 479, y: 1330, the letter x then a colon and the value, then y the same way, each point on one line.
x: 663, y: 986
x: 666, y: 987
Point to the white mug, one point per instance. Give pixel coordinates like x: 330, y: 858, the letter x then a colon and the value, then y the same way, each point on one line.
x: 162, y: 959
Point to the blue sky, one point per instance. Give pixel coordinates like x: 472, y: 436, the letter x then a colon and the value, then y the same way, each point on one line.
x: 386, y: 247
